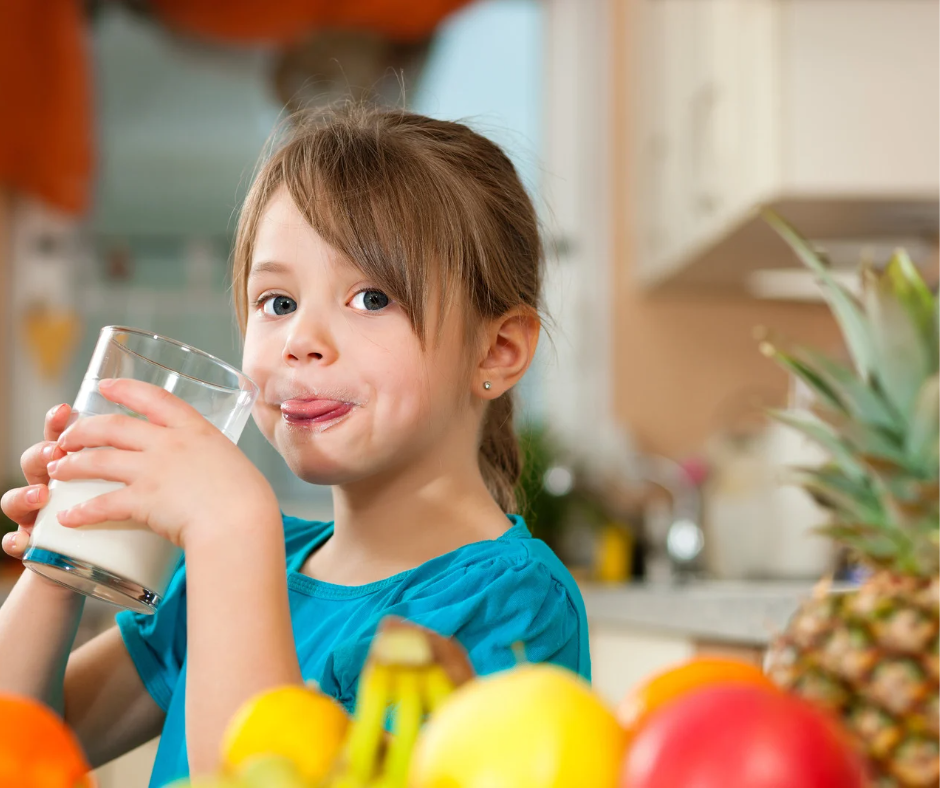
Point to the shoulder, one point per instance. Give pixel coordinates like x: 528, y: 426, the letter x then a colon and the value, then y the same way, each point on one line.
x: 495, y: 595
x: 496, y: 566
x: 497, y: 598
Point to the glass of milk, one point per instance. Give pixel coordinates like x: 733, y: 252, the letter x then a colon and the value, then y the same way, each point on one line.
x: 125, y: 562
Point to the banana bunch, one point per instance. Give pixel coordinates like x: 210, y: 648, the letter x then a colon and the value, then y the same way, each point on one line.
x: 273, y: 741
x: 409, y: 673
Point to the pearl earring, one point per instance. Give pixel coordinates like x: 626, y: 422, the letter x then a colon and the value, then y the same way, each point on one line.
x: 487, y: 385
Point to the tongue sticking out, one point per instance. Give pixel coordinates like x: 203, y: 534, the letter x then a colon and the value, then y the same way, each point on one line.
x: 312, y: 409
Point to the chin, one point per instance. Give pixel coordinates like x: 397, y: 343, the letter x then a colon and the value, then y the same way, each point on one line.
x: 327, y: 477
x: 321, y: 470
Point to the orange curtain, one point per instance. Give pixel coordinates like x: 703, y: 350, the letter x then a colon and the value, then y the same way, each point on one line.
x: 282, y: 21
x: 45, y: 93
x: 45, y: 102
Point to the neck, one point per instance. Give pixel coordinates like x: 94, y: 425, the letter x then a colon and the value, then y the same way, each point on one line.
x: 418, y: 511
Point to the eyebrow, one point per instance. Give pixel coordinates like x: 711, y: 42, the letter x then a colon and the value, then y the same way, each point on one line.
x: 268, y: 267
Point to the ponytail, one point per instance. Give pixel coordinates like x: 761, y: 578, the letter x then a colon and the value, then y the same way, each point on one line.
x: 500, y: 459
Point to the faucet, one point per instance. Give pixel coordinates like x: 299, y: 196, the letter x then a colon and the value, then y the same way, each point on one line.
x: 674, y: 533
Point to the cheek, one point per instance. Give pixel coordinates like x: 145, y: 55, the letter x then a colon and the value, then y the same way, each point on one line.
x: 419, y: 391
x: 255, y: 351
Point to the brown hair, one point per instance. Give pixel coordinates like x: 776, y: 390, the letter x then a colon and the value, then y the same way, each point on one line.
x: 411, y: 200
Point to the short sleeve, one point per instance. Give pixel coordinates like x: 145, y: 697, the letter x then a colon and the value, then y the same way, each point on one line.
x: 490, y: 608
x: 498, y: 609
x: 157, y: 643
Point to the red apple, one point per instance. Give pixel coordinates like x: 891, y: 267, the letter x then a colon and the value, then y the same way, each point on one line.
x: 740, y: 736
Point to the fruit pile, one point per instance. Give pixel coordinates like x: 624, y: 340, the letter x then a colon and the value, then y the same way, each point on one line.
x: 709, y: 723
x: 423, y: 721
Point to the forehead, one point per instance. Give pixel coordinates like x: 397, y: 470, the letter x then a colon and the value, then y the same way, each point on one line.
x: 285, y: 238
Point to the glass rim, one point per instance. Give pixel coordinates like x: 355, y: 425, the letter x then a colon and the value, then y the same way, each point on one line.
x: 254, y: 388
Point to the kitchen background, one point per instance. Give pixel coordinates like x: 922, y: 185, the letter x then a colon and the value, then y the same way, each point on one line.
x: 647, y: 130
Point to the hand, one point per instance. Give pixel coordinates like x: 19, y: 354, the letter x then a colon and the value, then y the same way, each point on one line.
x: 22, y: 504
x: 181, y: 473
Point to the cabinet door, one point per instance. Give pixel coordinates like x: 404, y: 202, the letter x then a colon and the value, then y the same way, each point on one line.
x: 662, y: 79
x: 727, y: 128
x: 650, y: 143
x: 622, y: 658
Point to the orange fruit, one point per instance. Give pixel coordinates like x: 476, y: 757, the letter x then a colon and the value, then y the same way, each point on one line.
x: 37, y: 748
x: 681, y: 679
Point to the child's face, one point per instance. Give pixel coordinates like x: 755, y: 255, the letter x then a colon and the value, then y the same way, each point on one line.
x: 347, y: 392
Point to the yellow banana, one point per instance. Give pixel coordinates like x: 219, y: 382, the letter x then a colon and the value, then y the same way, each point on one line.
x: 437, y: 686
x: 401, y: 672
x: 409, y: 713
x: 365, y: 735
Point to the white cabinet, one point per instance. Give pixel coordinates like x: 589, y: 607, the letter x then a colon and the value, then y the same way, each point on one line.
x: 825, y: 109
x: 622, y: 657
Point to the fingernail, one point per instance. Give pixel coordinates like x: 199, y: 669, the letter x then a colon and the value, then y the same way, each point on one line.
x: 106, y: 383
x: 52, y: 466
x: 9, y: 541
x: 47, y: 452
x: 32, y: 494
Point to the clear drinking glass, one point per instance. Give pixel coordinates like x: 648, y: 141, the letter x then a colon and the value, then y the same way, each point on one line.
x: 125, y: 562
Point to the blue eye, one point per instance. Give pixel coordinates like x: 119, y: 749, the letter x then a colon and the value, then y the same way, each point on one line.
x: 274, y: 306
x: 370, y: 300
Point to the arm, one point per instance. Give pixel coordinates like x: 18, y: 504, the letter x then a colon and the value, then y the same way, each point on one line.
x: 240, y: 641
x: 39, y: 619
x: 191, y: 485
x: 38, y: 623
x: 106, y: 703
x: 97, y: 690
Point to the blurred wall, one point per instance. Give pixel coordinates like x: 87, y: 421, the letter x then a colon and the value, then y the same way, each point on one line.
x: 679, y: 362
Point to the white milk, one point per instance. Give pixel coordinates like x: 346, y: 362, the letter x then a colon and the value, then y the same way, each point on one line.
x: 126, y: 549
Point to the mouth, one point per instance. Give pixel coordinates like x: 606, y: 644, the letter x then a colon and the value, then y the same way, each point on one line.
x: 314, y: 413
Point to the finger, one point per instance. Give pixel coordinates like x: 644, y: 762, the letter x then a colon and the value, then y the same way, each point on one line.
x: 15, y: 544
x: 56, y: 421
x: 157, y: 404
x: 114, y: 430
x: 109, y: 464
x: 36, y: 458
x: 113, y: 506
x: 22, y: 503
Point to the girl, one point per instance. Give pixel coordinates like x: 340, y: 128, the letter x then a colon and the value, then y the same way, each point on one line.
x: 386, y: 273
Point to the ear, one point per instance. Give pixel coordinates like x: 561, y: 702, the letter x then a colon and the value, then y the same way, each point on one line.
x: 510, y: 346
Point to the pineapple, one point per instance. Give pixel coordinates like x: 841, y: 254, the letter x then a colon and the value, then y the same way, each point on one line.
x: 870, y: 655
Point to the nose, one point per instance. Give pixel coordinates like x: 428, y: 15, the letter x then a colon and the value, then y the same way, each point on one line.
x: 309, y: 340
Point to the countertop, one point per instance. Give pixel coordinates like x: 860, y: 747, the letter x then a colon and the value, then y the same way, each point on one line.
x: 747, y: 613
x: 734, y: 612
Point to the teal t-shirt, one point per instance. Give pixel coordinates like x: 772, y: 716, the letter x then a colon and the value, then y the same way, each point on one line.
x: 488, y: 595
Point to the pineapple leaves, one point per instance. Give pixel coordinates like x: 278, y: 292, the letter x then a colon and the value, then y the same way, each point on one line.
x: 923, y: 437
x: 914, y: 295
x: 847, y: 311
x: 853, y: 499
x: 837, y: 386
x: 902, y: 356
x: 821, y: 434
x: 867, y: 541
x: 861, y: 401
x: 879, y: 423
x: 806, y: 373
x: 868, y: 441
